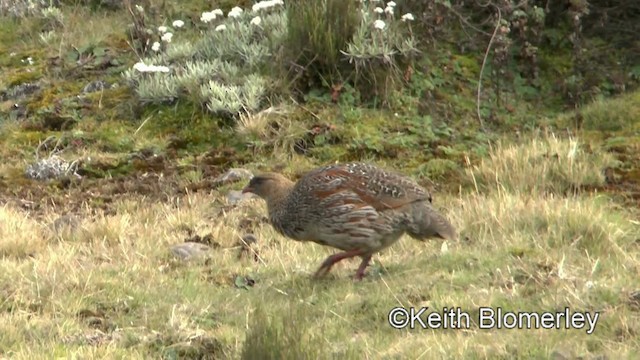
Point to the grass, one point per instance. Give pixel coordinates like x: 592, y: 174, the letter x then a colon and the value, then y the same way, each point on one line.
x: 109, y: 288
x: 544, y: 164
x: 540, y: 229
x: 619, y: 115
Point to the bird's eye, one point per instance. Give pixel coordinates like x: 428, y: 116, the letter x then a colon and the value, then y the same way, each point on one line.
x: 256, y: 181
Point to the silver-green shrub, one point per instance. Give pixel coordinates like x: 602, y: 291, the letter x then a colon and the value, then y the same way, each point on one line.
x: 231, y: 68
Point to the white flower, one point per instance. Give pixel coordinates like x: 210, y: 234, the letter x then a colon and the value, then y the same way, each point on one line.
x: 256, y: 21
x: 167, y: 37
x: 379, y: 24
x: 407, y: 17
x: 178, y: 24
x: 378, y: 10
x: 235, y: 12
x: 218, y: 12
x: 221, y: 27
x: 162, y: 29
x: 207, y: 16
x: 266, y: 4
x: 140, y: 8
x: 156, y: 46
x: 444, y: 248
x: 142, y: 67
x: 389, y: 10
x: 391, y: 4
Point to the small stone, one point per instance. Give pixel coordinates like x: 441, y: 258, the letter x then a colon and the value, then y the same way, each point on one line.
x: 233, y: 175
x: 235, y: 197
x: 65, y: 222
x: 190, y: 250
x: 94, y: 86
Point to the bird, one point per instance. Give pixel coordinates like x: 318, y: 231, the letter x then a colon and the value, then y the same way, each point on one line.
x: 355, y: 207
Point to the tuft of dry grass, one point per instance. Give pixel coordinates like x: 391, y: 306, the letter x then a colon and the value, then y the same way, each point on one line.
x: 20, y: 236
x: 542, y: 164
x: 271, y: 128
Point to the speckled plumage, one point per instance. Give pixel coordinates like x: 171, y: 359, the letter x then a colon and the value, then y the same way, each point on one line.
x: 355, y: 207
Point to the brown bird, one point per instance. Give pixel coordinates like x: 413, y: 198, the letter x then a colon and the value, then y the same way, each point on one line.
x: 355, y: 207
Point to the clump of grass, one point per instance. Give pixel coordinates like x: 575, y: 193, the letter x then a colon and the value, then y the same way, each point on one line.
x: 286, y: 337
x: 318, y: 31
x: 20, y: 236
x: 548, y: 223
x: 545, y: 164
x: 616, y: 114
x: 271, y: 129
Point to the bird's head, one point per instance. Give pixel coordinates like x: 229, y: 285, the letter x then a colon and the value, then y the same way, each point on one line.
x: 269, y: 186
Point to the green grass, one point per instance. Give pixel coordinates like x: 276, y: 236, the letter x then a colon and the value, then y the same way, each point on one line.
x: 619, y: 115
x: 111, y: 285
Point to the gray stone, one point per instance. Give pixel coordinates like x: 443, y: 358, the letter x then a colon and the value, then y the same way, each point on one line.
x: 234, y: 197
x: 190, y: 250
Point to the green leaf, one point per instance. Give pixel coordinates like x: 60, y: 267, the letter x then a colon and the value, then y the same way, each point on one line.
x: 72, y: 56
x: 99, y: 51
x: 84, y: 49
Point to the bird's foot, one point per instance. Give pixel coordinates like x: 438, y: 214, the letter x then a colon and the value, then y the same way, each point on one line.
x: 363, y: 265
x: 331, y: 260
x: 359, y: 276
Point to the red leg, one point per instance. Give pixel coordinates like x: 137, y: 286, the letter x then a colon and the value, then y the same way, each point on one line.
x: 363, y: 265
x: 331, y: 260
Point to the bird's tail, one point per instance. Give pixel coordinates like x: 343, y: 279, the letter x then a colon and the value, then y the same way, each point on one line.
x: 424, y: 222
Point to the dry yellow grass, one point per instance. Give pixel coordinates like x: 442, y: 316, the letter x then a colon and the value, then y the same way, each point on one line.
x: 110, y: 288
x: 542, y: 164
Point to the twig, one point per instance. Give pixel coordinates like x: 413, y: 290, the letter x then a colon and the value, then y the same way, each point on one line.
x: 484, y: 62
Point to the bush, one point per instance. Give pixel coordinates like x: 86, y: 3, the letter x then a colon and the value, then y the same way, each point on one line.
x: 229, y: 70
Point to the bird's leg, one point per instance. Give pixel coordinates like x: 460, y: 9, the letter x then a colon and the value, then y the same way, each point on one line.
x: 363, y: 265
x: 331, y: 260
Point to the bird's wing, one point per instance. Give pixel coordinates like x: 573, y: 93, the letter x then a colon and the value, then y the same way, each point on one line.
x: 378, y: 188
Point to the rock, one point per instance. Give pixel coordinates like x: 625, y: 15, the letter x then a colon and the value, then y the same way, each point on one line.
x: 233, y: 175
x: 190, y: 250
x: 94, y: 86
x: 234, y: 197
x: 65, y: 222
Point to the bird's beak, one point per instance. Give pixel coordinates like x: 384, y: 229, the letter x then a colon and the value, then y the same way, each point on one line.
x: 247, y: 189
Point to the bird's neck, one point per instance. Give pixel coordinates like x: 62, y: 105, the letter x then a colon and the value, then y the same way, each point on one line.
x: 277, y: 198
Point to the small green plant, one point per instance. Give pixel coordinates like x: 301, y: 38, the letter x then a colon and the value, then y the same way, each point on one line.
x: 317, y: 32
